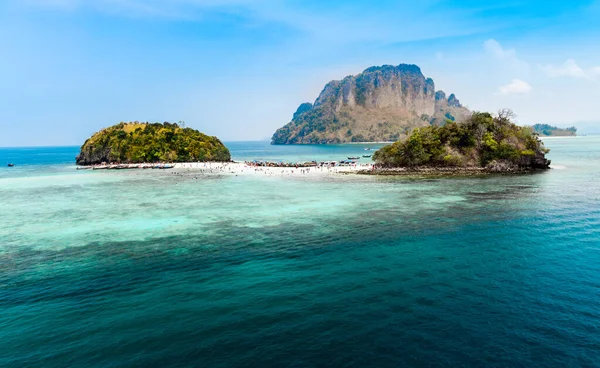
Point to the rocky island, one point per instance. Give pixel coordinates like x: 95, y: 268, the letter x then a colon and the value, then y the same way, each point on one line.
x: 481, y: 144
x: 136, y: 142
x: 546, y: 130
x: 381, y: 104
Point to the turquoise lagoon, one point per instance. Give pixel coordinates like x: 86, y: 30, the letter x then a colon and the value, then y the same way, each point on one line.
x: 148, y: 268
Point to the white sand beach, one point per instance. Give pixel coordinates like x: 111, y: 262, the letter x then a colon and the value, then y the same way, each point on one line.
x: 243, y: 168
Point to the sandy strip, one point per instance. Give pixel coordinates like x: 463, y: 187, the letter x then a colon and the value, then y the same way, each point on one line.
x: 240, y: 168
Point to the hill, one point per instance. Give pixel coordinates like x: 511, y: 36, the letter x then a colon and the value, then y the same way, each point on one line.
x: 482, y: 141
x: 382, y: 103
x: 546, y: 130
x: 150, y: 142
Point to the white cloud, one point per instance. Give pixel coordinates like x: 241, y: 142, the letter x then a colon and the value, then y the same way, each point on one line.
x: 572, y: 70
x: 568, y: 69
x: 516, y: 87
x: 507, y: 57
x: 494, y: 48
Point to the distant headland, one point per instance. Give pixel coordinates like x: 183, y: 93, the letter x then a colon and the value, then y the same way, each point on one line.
x: 381, y: 104
x: 546, y: 130
x: 136, y: 142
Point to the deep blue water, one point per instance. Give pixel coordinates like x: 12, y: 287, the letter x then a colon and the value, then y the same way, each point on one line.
x: 101, y: 269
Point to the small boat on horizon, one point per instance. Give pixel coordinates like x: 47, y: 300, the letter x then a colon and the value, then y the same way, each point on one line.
x: 11, y: 165
x: 367, y: 155
x: 367, y: 149
x: 354, y: 158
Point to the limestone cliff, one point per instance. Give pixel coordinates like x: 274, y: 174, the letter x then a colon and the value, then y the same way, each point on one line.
x: 382, y: 103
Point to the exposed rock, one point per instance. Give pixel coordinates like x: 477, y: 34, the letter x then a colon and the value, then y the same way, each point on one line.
x: 453, y: 101
x: 382, y: 103
x: 501, y: 166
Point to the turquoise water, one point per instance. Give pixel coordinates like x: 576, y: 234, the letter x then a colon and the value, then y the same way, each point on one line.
x: 147, y: 268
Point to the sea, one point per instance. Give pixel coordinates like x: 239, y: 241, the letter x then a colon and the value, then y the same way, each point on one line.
x: 147, y: 268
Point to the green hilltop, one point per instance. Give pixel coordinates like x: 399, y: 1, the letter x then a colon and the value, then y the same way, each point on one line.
x: 482, y: 141
x: 546, y: 130
x: 151, y: 142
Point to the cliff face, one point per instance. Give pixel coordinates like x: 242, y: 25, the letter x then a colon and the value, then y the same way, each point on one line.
x: 380, y: 104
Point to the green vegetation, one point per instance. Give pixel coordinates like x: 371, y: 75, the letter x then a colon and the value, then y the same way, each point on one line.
x: 549, y: 130
x: 481, y: 141
x: 151, y: 142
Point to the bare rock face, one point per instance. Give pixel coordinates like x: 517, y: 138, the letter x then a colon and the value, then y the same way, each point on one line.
x: 382, y: 103
x: 453, y: 101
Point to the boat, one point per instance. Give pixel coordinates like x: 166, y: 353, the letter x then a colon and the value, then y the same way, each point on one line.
x: 367, y: 149
x: 166, y: 166
x: 367, y: 155
x: 354, y: 158
x: 11, y: 165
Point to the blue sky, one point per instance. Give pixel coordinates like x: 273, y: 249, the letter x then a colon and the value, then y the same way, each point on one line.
x: 239, y: 68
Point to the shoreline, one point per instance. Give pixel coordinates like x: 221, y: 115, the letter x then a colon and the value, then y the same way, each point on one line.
x: 238, y: 168
x: 243, y: 168
x: 559, y: 136
x: 328, y: 144
x: 446, y: 171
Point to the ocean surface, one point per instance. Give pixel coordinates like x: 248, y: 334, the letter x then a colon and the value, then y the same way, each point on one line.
x: 152, y: 269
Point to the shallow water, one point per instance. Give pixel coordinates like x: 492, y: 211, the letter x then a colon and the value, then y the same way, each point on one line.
x: 147, y: 268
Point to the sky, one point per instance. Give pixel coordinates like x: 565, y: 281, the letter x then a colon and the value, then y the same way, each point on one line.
x: 238, y: 69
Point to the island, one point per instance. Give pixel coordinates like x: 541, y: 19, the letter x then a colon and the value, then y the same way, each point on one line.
x: 546, y: 130
x: 481, y: 144
x: 135, y: 142
x: 381, y: 104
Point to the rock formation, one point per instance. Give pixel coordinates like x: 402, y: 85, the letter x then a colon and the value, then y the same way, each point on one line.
x: 382, y: 103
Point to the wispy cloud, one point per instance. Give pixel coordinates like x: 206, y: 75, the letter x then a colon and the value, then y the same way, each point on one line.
x: 172, y: 9
x: 570, y: 69
x: 494, y: 48
x: 516, y: 87
x: 336, y: 22
x: 506, y: 56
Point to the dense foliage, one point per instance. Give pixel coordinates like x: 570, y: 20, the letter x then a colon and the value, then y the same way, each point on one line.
x: 549, y: 130
x: 151, y: 142
x: 480, y: 141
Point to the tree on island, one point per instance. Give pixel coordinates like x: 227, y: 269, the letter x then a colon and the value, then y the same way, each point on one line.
x: 151, y: 142
x: 483, y: 140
